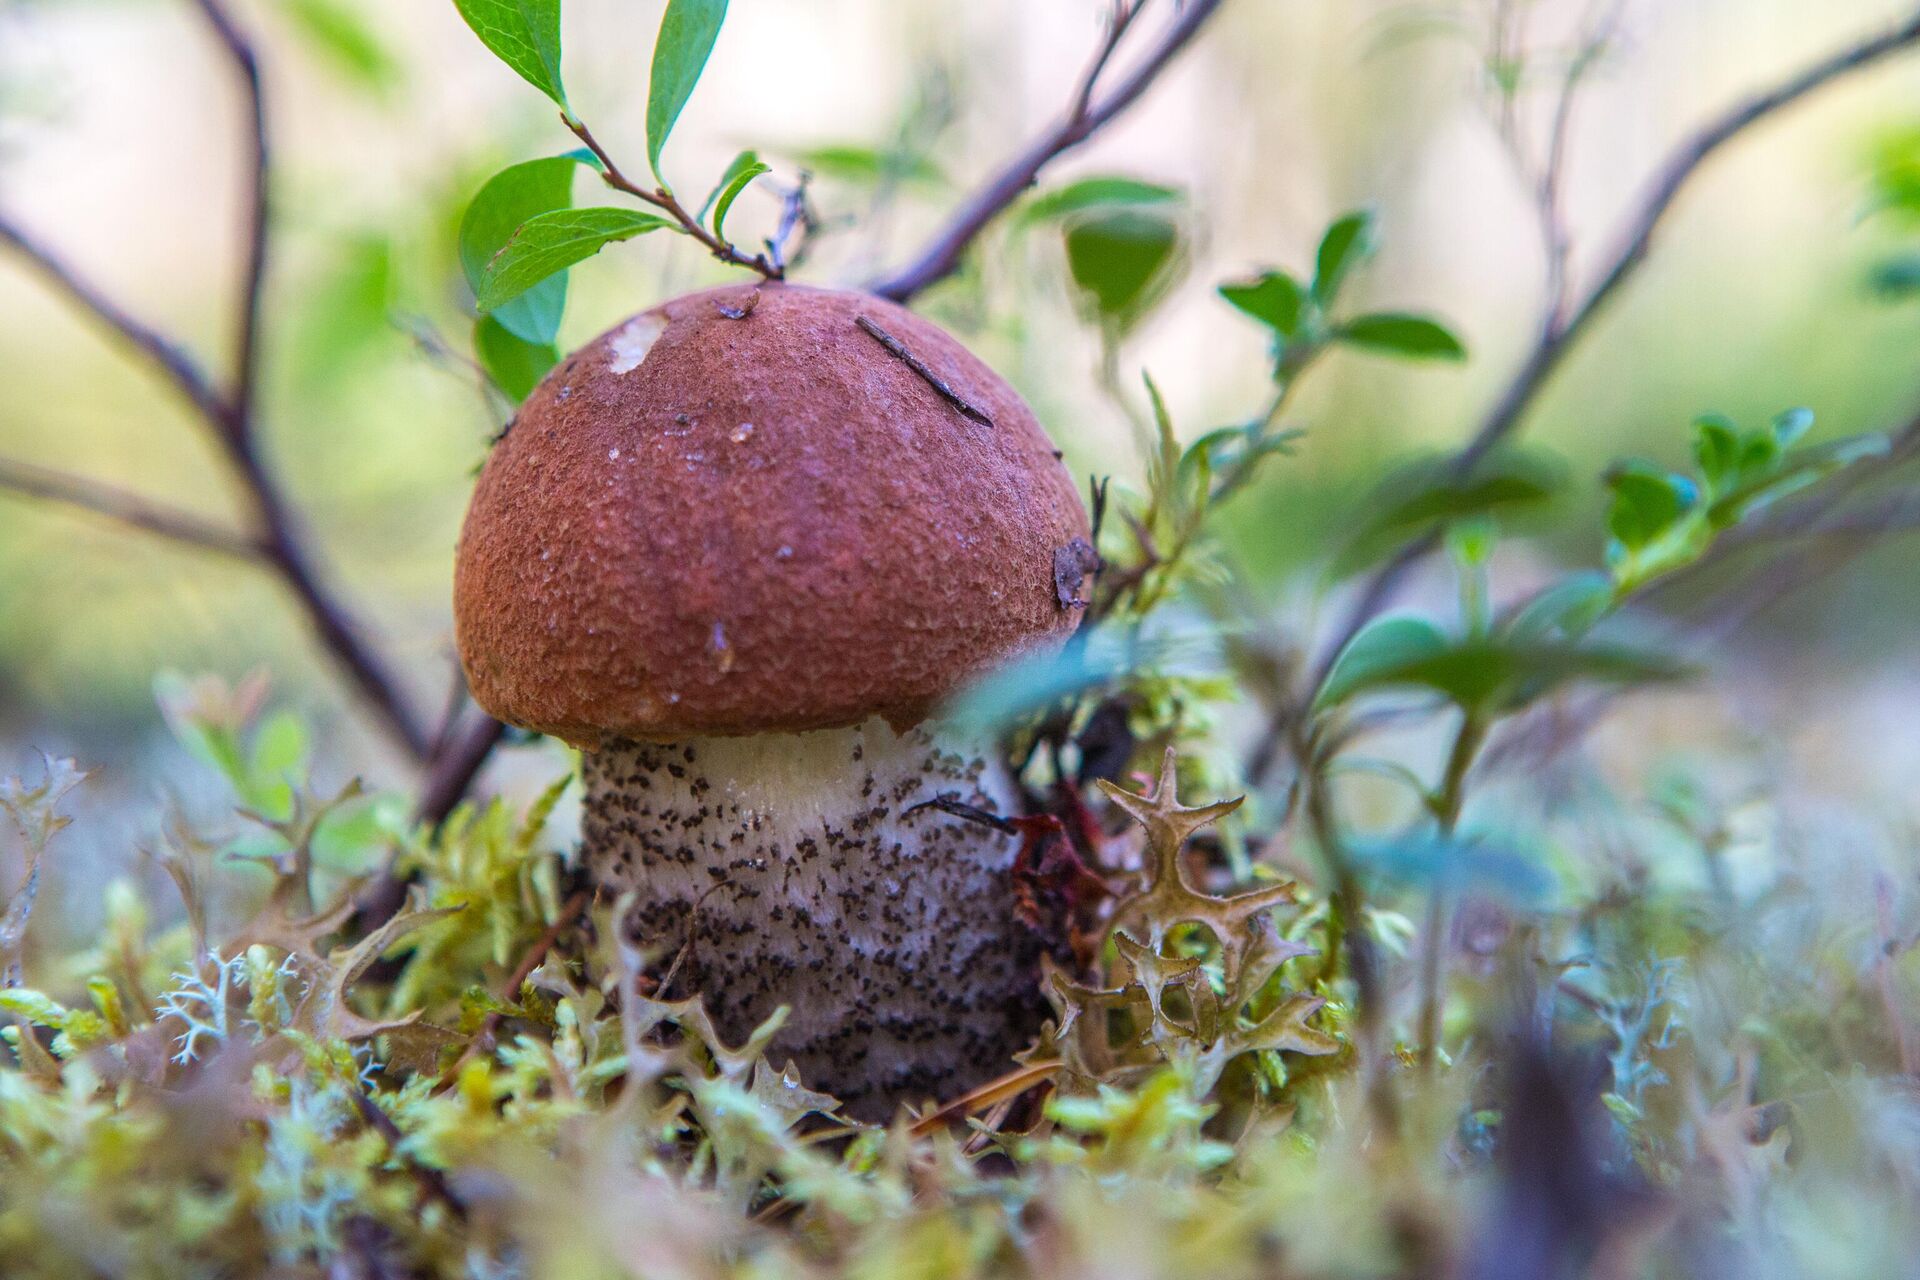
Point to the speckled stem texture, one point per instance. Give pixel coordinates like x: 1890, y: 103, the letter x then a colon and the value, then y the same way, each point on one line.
x: 787, y: 867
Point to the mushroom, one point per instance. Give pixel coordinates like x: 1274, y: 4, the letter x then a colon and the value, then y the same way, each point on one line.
x: 738, y: 549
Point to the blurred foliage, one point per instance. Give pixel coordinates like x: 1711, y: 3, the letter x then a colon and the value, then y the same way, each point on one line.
x: 243, y: 1096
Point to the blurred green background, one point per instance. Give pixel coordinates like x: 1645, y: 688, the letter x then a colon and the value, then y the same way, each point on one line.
x: 119, y: 144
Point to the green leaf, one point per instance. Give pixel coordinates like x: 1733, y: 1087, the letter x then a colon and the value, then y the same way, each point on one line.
x: 868, y: 166
x: 34, y: 1006
x: 1567, y: 610
x: 1897, y: 279
x: 1486, y: 676
x: 745, y: 168
x: 524, y: 34
x: 1095, y: 193
x: 280, y: 748
x: 553, y: 242
x: 1001, y: 698
x: 509, y: 199
x: 1226, y: 451
x: 344, y: 38
x: 515, y: 365
x: 1790, y: 426
x: 1759, y: 451
x: 1275, y: 300
x: 688, y: 30
x: 1796, y: 471
x: 1647, y: 502
x: 1122, y: 260
x: 1716, y: 446
x: 1428, y: 495
x: 1417, y: 337
x: 1164, y: 468
x: 1377, y: 655
x: 1346, y: 242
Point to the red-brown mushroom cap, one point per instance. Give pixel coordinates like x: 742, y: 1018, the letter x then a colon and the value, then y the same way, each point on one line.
x: 752, y: 510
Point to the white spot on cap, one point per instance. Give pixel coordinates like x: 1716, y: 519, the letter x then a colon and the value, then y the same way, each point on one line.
x: 741, y: 432
x: 613, y: 455
x: 632, y: 340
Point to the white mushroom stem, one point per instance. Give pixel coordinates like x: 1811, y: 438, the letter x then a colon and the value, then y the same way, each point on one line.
x: 790, y: 870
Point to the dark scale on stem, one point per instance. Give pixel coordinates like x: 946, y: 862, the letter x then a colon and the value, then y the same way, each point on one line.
x: 891, y: 934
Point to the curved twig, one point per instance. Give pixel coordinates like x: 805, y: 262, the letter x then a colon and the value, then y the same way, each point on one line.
x: 127, y: 508
x: 1087, y: 115
x: 171, y: 360
x: 454, y: 767
x: 253, y: 273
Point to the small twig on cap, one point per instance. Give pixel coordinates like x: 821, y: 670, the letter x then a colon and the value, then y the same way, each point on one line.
x: 913, y: 362
x: 960, y: 809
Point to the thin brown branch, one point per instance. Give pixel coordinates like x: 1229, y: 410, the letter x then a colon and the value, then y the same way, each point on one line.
x: 127, y: 508
x: 1550, y: 190
x: 454, y: 768
x: 339, y: 631
x: 1001, y: 1089
x: 669, y: 204
x: 797, y: 217
x: 1086, y: 115
x: 286, y: 544
x: 1558, y: 336
x: 1119, y: 18
x: 253, y: 272
x: 173, y: 362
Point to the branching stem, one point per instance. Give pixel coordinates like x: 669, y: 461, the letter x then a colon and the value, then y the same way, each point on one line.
x: 130, y: 509
x: 231, y: 417
x: 1447, y: 803
x: 669, y: 204
x: 1563, y: 328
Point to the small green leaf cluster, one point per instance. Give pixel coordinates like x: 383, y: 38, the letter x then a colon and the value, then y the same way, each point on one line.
x: 1662, y: 521
x: 1300, y: 317
x: 521, y: 232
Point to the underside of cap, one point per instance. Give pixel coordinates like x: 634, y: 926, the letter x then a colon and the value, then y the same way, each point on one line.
x: 762, y: 508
